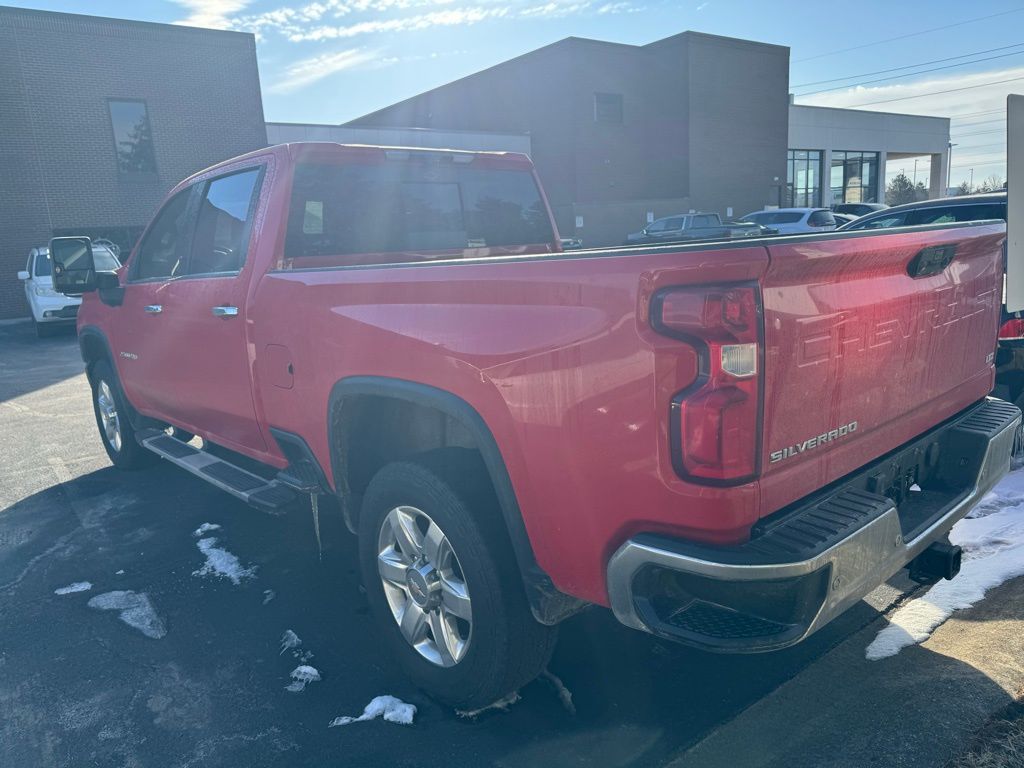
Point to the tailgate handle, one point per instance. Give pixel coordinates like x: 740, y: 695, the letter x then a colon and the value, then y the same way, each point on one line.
x: 931, y: 260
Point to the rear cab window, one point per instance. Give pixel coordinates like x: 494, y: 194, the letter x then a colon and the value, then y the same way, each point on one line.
x: 821, y: 219
x: 420, y: 207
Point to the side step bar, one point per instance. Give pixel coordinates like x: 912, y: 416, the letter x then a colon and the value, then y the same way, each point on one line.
x: 266, y: 495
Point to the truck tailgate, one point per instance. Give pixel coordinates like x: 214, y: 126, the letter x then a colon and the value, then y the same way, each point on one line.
x: 860, y: 356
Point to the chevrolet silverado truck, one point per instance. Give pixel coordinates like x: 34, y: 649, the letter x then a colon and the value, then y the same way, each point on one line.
x: 725, y: 444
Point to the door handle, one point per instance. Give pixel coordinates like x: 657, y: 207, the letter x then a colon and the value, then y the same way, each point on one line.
x: 224, y: 311
x: 153, y: 309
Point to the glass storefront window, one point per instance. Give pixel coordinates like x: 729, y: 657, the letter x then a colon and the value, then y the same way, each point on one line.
x: 852, y: 177
x: 803, y: 178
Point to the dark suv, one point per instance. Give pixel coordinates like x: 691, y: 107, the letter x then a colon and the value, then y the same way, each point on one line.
x: 858, y: 209
x: 1010, y: 355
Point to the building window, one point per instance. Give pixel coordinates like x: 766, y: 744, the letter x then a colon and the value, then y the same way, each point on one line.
x: 854, y: 177
x: 133, y: 138
x: 608, y: 108
x: 803, y: 178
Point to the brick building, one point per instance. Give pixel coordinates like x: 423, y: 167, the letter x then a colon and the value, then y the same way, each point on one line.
x: 622, y: 132
x: 99, y: 118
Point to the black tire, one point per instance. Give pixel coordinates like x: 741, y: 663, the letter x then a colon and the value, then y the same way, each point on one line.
x: 124, y: 453
x: 43, y: 331
x: 507, y: 648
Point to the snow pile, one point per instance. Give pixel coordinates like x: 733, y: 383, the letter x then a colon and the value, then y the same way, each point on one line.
x: 301, y: 676
x: 391, y: 709
x: 205, y: 528
x: 501, y: 704
x: 135, y: 610
x: 78, y: 586
x: 289, y: 640
x: 992, y: 538
x: 268, y: 595
x: 220, y: 562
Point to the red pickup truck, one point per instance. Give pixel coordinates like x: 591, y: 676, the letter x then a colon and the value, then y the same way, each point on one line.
x: 727, y: 444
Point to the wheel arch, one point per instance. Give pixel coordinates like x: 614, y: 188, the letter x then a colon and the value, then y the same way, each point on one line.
x: 548, y: 604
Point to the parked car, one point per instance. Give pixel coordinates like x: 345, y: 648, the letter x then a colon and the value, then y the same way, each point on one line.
x: 686, y: 227
x: 794, y: 221
x: 843, y: 218
x: 938, y: 211
x: 858, y: 209
x: 51, y: 309
x: 1010, y: 354
x: 720, y: 450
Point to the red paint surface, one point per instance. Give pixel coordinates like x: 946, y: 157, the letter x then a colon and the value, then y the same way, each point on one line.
x: 558, y: 356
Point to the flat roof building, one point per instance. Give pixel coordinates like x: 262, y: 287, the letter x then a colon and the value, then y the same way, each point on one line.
x: 623, y: 134
x: 622, y: 131
x: 100, y: 117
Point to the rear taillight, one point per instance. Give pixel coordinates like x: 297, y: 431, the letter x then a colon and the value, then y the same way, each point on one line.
x: 1012, y: 330
x: 715, y: 421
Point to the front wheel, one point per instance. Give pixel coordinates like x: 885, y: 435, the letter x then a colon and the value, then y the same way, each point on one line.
x: 116, y: 431
x: 443, y: 584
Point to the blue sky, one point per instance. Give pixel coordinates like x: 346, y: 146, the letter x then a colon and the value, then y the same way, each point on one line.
x: 332, y: 60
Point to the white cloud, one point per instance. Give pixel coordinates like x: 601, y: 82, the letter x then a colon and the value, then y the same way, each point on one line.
x: 308, y: 71
x: 966, y: 94
x: 214, y: 14
x: 454, y: 17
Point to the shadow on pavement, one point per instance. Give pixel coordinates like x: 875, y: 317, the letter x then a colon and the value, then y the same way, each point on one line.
x: 79, y: 686
x: 30, y: 363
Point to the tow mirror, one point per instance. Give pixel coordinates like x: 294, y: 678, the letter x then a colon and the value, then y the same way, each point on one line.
x: 23, y: 275
x: 74, y: 271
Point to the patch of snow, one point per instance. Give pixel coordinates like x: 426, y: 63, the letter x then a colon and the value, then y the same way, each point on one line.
x: 992, y: 537
x: 564, y: 695
x: 220, y: 562
x: 915, y: 487
x: 501, y: 704
x: 205, y: 528
x: 302, y: 675
x: 289, y: 640
x: 268, y: 595
x: 119, y: 573
x: 136, y: 611
x: 78, y: 586
x: 391, y: 709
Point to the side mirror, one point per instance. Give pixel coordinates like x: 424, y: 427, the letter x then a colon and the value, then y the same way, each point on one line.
x: 23, y: 275
x: 74, y: 271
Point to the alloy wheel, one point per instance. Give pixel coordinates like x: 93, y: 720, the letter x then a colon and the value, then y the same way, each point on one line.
x: 425, y: 586
x: 108, y: 415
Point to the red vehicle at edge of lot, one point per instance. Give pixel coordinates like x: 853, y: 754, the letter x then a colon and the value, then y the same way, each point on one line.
x: 720, y: 442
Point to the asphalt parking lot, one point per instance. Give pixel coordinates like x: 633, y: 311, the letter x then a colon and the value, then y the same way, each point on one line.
x: 79, y: 687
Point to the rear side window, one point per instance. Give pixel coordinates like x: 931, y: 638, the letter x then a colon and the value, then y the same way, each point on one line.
x: 821, y: 219
x: 411, y: 208
x: 160, y: 253
x: 704, y: 221
x: 222, y: 226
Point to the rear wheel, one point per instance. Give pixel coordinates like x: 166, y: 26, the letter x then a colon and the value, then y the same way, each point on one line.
x: 116, y: 431
x: 443, y: 584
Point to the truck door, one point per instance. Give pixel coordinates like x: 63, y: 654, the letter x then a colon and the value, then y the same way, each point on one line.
x: 206, y: 344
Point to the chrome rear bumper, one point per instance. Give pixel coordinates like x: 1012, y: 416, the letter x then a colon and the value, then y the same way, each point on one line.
x: 822, y: 555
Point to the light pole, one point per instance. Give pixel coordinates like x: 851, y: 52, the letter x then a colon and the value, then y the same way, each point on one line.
x: 915, y: 172
x: 949, y: 163
x: 972, y: 180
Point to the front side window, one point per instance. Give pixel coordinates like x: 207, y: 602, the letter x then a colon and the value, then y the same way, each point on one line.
x: 133, y: 137
x: 160, y: 254
x: 363, y: 213
x: 882, y: 222
x: 43, y: 265
x: 222, y: 231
